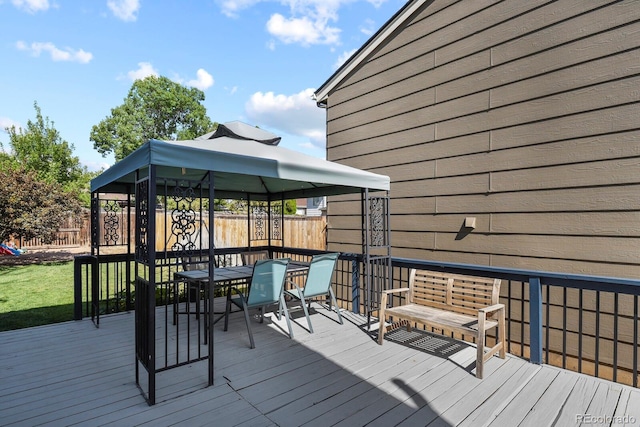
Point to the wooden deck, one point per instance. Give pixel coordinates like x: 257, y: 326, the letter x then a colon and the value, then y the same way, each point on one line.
x: 74, y: 374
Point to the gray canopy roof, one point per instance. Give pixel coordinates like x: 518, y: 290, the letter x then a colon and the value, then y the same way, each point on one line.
x: 244, y: 160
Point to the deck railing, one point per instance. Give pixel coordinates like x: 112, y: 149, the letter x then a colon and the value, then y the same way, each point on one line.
x: 587, y: 324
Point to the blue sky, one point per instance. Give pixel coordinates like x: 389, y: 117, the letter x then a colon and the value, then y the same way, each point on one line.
x: 257, y: 61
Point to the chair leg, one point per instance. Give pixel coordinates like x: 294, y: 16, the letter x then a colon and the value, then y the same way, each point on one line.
x: 335, y: 303
x: 227, y: 309
x: 286, y: 315
x: 246, y: 319
x: 306, y: 311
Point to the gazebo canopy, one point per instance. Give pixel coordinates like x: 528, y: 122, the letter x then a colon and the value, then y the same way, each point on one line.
x: 244, y: 160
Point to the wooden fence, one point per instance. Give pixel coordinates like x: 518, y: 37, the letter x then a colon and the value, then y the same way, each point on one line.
x: 230, y: 231
x: 74, y: 231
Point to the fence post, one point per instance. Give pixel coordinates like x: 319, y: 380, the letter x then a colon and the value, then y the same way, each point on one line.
x: 535, y: 320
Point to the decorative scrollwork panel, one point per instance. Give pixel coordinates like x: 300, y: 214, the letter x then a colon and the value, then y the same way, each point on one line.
x: 276, y: 221
x: 112, y: 213
x: 259, y: 219
x: 142, y: 221
x: 95, y: 222
x: 378, y: 225
x: 184, y: 226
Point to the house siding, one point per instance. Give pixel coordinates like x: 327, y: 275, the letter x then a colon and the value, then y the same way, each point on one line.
x: 522, y: 114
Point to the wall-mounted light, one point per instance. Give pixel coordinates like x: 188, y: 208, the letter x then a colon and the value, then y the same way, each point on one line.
x: 470, y: 222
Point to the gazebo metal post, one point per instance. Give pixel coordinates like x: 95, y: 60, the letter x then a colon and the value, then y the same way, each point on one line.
x: 377, y: 237
x: 269, y: 218
x: 145, y: 304
x: 365, y: 252
x: 281, y: 223
x: 210, y: 294
x: 249, y: 213
x: 95, y: 251
x: 128, y: 263
x: 151, y: 294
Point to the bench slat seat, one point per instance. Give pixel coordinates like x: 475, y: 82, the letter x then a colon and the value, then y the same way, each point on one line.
x: 461, y: 304
x: 451, y: 321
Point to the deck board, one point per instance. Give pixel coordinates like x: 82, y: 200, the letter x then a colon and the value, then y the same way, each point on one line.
x: 75, y: 374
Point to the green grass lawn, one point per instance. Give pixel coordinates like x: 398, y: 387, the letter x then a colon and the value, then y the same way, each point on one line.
x: 33, y: 295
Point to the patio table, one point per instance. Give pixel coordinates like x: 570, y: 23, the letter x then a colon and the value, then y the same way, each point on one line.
x: 229, y: 276
x: 237, y: 273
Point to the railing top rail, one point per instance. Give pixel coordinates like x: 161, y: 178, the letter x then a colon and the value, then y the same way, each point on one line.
x: 580, y: 281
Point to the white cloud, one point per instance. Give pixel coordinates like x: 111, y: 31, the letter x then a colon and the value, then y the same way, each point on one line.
x: 308, y: 21
x: 232, y: 7
x: 343, y: 58
x: 6, y: 122
x: 31, y: 6
x: 368, y: 28
x: 94, y: 166
x: 145, y: 69
x: 376, y: 3
x: 295, y: 114
x: 57, y: 54
x: 203, y: 80
x: 126, y: 10
x: 302, y: 30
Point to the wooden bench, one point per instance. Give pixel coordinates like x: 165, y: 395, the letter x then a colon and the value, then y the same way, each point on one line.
x: 461, y: 304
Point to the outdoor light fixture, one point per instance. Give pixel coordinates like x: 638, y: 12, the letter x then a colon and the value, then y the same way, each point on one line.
x: 470, y: 222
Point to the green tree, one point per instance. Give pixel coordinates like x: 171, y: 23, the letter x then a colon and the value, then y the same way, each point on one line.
x: 32, y: 207
x: 40, y: 148
x: 290, y: 207
x: 155, y: 107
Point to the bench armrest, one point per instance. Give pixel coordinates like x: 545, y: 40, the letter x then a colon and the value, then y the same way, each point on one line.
x: 489, y: 312
x: 492, y: 308
x: 391, y: 291
x: 385, y: 293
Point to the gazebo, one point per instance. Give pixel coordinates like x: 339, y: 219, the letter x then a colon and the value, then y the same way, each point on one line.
x: 173, y: 185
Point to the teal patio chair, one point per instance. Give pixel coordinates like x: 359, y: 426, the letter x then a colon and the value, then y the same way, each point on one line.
x: 267, y: 284
x: 317, y: 283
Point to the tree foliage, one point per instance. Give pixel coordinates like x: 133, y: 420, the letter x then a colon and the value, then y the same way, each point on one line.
x: 39, y: 148
x: 155, y: 107
x: 32, y: 207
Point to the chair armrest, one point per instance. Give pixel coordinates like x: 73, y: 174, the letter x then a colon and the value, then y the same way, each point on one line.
x: 299, y: 295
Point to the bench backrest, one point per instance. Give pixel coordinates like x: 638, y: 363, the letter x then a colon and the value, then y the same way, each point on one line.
x: 463, y: 294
